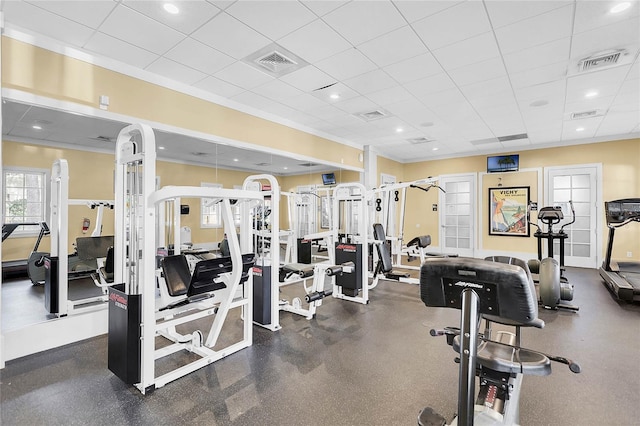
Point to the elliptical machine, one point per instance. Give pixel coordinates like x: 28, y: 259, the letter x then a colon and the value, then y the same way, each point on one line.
x: 553, y: 286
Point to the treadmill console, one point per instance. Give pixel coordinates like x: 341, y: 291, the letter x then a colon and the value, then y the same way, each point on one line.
x: 619, y: 211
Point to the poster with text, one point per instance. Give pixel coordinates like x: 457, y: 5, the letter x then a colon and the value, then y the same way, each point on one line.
x: 508, y: 211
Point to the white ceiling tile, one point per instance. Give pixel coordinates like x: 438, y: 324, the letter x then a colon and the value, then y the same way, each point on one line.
x: 539, y: 75
x: 135, y: 28
x: 411, y: 106
x: 393, y: 47
x: 370, y: 82
x: 191, y: 16
x: 432, y: 84
x: 343, y: 91
x: 219, y: 87
x: 542, y: 91
x: 253, y: 100
x: 346, y: 64
x: 545, y: 135
x: 594, y: 14
x: 537, y: 56
x: 277, y: 90
x: 493, y: 100
x: 414, y: 68
x: 415, y: 10
x: 570, y: 128
x: 88, y: 13
x: 110, y: 47
x: 322, y: 7
x: 357, y: 105
x: 243, y: 75
x: 230, y: 36
x: 600, y: 103
x: 504, y: 13
x: 273, y: 19
x: 314, y: 42
x: 499, y: 86
x: 39, y: 20
x: 305, y: 102
x: 444, y: 97
x: 457, y: 23
x: 380, y: 18
x: 327, y: 112
x: 308, y: 79
x: 468, y: 52
x: 634, y: 72
x: 537, y: 30
x: 175, y: 71
x: 199, y: 56
x: 506, y: 126
x: 628, y: 95
x: 605, y: 82
x: 616, y: 123
x: 480, y: 71
x: 616, y: 36
x: 390, y: 95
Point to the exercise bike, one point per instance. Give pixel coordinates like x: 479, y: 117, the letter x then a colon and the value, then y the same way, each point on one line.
x: 552, y: 284
x: 498, y: 293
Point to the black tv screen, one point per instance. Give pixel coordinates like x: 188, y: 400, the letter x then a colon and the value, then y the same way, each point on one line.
x: 503, y: 163
x: 329, y: 179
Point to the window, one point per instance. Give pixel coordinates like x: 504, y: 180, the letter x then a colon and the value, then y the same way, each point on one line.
x: 25, y: 197
x: 210, y: 214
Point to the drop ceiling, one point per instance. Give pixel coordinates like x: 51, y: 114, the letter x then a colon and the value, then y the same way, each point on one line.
x: 441, y: 78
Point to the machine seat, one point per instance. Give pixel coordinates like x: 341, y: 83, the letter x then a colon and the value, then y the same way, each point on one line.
x: 385, y: 264
x: 106, y: 271
x: 505, y: 359
x: 422, y: 241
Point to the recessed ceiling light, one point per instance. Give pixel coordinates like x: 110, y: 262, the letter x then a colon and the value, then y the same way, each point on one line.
x: 579, y: 129
x: 286, y: 168
x: 36, y: 127
x: 539, y: 103
x: 435, y: 148
x: 591, y: 94
x: 171, y: 8
x: 161, y: 147
x: 235, y: 159
x: 620, y: 7
x: 334, y: 96
x: 399, y: 130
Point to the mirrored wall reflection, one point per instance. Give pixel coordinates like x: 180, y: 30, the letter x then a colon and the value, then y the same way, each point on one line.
x: 34, y: 136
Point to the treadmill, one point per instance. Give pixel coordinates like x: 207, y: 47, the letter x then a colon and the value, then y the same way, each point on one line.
x: 622, y: 278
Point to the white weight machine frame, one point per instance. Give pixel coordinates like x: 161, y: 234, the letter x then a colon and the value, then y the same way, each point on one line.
x: 135, y: 262
x: 59, y: 235
x: 357, y: 194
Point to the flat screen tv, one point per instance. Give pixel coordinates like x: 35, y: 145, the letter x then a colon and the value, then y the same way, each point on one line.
x: 328, y: 179
x: 503, y: 163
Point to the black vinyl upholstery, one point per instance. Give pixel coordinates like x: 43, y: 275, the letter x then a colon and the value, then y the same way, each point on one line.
x: 176, y: 274
x: 383, y: 249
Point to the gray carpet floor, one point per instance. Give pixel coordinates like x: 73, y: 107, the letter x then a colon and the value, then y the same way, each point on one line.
x: 351, y: 365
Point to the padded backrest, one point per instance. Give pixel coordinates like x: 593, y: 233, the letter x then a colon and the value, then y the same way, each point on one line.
x: 422, y: 241
x: 93, y: 247
x: 176, y: 273
x: 383, y: 249
x: 505, y: 291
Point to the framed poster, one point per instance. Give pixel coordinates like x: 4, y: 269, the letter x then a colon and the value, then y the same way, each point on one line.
x: 508, y: 211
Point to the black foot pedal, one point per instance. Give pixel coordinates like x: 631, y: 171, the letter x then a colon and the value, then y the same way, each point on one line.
x: 428, y: 417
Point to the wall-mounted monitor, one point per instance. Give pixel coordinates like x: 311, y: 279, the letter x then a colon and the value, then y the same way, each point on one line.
x: 328, y: 179
x: 503, y: 163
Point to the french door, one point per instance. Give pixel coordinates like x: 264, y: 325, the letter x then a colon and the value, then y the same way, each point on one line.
x: 458, y: 214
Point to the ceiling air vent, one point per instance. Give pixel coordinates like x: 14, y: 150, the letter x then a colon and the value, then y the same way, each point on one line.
x: 262, y: 164
x: 103, y: 139
x: 600, y: 60
x: 275, y: 60
x: 586, y: 114
x: 307, y: 164
x: 484, y: 141
x: 419, y: 141
x: 372, y: 115
x: 512, y: 137
x: 199, y: 154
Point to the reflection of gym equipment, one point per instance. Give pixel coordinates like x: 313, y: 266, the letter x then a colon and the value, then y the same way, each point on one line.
x: 499, y: 293
x: 137, y: 318
x: 35, y: 262
x: 552, y: 284
x: 59, y: 266
x: 622, y: 278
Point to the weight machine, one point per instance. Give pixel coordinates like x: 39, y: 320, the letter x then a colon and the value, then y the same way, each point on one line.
x: 136, y: 316
x: 350, y: 241
x: 59, y: 267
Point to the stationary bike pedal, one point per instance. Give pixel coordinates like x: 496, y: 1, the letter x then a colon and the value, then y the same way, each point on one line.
x: 428, y: 417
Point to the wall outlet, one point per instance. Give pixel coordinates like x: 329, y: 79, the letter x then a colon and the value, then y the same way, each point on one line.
x: 629, y: 254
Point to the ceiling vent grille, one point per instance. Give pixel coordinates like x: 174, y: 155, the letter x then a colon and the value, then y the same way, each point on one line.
x: 199, y: 154
x: 104, y: 139
x: 262, y: 164
x: 600, y: 60
x: 372, y: 115
x: 275, y: 60
x: 586, y: 114
x: 419, y: 141
x: 484, y: 141
x: 512, y: 137
x: 307, y: 164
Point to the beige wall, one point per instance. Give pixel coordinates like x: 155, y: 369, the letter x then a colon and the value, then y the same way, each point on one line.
x: 45, y: 73
x: 620, y: 176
